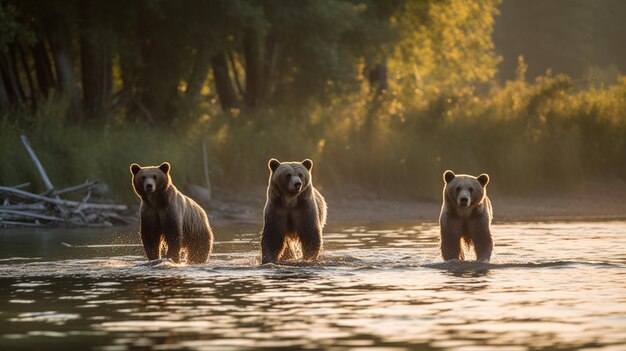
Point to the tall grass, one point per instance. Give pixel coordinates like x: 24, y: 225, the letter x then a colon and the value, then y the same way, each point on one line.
x: 548, y: 134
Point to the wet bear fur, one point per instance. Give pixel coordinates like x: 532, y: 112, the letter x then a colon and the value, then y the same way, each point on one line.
x: 294, y: 213
x: 466, y: 216
x: 169, y: 218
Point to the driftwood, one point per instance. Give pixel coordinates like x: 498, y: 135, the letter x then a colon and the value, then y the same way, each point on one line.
x: 39, y: 206
x: 71, y: 189
x: 21, y: 214
x: 42, y: 172
x: 58, y: 202
x: 21, y: 186
x: 21, y: 208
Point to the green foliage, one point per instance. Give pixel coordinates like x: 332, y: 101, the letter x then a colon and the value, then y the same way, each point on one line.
x: 12, y: 30
x: 527, y: 136
x: 73, y: 152
x: 296, y: 74
x: 446, y: 44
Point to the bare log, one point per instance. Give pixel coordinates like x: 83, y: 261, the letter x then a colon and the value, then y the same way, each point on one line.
x: 20, y: 224
x: 83, y: 203
x: 71, y: 189
x: 21, y: 214
x: 21, y: 186
x: 42, y: 172
x: 31, y: 207
x: 59, y: 202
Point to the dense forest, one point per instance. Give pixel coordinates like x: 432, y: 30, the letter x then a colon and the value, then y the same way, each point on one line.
x: 385, y: 92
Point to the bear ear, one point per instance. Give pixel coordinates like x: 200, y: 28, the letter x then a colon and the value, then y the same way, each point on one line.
x: 483, y: 179
x: 448, y: 176
x: 308, y: 164
x: 273, y: 164
x: 135, y: 168
x: 165, y: 167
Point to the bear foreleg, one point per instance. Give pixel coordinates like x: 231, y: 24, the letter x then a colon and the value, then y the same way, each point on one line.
x: 480, y: 232
x: 310, y: 234
x: 151, y: 239
x: 483, y: 245
x: 483, y: 248
x: 271, y: 247
x: 451, y: 248
x: 272, y: 240
x: 173, y: 234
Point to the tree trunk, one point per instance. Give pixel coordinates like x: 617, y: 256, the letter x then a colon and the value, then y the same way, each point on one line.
x: 233, y: 67
x: 96, y: 71
x: 31, y: 86
x: 378, y: 77
x: 274, y: 50
x: 253, y: 58
x: 11, y: 82
x: 223, y: 83
x: 199, y: 73
x: 57, y: 34
x: 15, y: 75
x: 43, y: 68
x: 5, y: 103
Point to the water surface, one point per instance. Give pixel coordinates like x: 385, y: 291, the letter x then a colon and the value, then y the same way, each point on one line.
x: 377, y: 286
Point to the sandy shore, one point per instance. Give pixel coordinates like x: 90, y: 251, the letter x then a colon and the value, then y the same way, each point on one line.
x: 591, y: 202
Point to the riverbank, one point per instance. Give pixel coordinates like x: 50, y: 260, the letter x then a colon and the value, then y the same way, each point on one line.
x: 592, y: 201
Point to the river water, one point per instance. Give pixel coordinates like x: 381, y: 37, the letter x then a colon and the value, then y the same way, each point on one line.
x: 377, y: 286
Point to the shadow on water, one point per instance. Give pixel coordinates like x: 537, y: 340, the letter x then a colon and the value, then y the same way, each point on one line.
x: 560, y: 286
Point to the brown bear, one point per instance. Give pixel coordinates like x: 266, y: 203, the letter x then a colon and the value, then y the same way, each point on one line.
x: 169, y: 217
x: 465, y: 216
x: 294, y: 214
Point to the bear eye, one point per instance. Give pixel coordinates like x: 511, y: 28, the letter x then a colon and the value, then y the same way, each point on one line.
x: 300, y: 175
x: 471, y: 189
x: 458, y: 188
x: 287, y: 176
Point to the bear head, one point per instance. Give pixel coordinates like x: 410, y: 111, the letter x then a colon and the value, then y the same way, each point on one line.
x: 151, y: 179
x: 465, y: 190
x: 290, y: 178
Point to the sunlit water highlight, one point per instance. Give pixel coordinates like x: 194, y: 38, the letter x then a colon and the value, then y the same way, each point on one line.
x: 383, y: 286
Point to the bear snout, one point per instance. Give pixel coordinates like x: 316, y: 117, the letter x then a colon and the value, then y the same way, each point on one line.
x: 149, y: 185
x: 295, y: 184
x: 464, y: 199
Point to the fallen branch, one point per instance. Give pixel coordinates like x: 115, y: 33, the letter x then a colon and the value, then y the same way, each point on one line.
x: 32, y: 207
x: 59, y: 202
x: 20, y: 214
x: 71, y: 189
x: 21, y: 186
x: 42, y: 172
x: 23, y: 208
x: 20, y: 224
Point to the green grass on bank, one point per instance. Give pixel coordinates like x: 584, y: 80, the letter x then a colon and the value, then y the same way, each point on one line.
x: 549, y: 134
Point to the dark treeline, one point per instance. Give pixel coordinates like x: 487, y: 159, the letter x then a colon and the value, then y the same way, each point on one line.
x: 152, y: 57
x: 382, y: 92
